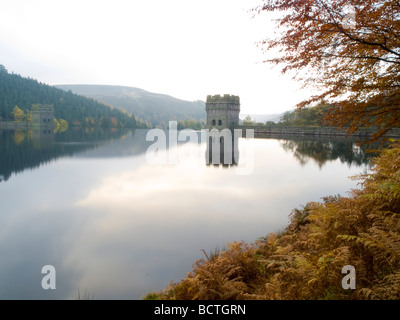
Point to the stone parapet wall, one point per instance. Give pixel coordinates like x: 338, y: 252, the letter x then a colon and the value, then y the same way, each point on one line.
x: 15, y: 124
x: 316, y: 131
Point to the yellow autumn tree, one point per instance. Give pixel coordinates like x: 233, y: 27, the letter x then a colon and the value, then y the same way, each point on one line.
x: 18, y: 114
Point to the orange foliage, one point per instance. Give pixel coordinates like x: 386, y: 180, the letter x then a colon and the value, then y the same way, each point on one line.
x: 350, y: 51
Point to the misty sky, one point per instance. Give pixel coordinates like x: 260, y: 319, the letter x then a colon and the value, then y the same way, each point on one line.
x: 184, y: 48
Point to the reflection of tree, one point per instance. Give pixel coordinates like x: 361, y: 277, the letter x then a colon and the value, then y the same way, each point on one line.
x: 20, y: 150
x: 322, y: 151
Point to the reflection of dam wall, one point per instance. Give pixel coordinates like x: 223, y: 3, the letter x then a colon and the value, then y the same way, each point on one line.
x: 30, y: 149
x: 317, y: 138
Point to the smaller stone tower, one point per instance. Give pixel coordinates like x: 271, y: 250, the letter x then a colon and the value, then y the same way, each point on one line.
x: 42, y: 115
x: 222, y: 111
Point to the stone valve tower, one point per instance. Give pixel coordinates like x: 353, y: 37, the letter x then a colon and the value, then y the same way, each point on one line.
x: 222, y: 111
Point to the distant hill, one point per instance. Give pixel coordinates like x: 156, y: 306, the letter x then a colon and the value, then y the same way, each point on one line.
x: 156, y: 108
x: 263, y: 118
x: 16, y: 90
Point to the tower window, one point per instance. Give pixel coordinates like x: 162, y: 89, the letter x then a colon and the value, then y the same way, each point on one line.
x: 213, y: 122
x: 220, y: 122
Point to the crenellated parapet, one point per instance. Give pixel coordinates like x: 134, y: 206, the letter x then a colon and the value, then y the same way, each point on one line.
x: 226, y: 98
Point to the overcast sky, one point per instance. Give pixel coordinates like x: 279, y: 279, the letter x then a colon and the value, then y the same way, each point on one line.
x: 184, y: 48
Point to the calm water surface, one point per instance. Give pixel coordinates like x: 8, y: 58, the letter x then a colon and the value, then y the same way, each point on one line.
x: 117, y: 226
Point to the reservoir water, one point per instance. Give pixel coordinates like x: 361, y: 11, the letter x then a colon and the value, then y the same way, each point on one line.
x: 117, y: 222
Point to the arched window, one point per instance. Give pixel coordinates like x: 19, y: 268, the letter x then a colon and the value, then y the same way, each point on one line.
x: 220, y: 122
x: 213, y: 122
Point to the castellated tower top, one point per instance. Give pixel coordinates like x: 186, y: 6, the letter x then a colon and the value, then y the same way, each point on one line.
x: 226, y: 98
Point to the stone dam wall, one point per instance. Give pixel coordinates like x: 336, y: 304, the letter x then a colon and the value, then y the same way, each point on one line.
x: 316, y: 131
x: 14, y: 125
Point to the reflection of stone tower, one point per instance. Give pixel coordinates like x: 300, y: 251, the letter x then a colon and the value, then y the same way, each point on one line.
x: 42, y: 137
x: 222, y: 148
x: 43, y: 116
x: 222, y: 112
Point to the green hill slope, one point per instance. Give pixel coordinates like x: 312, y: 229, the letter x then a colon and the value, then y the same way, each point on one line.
x: 156, y: 108
x: 16, y: 90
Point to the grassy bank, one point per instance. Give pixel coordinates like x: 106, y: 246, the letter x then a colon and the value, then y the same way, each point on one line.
x: 305, y: 261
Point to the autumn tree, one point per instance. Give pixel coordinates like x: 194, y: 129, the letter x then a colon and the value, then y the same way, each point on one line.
x: 347, y: 49
x: 306, y: 116
x: 63, y: 125
x: 18, y: 114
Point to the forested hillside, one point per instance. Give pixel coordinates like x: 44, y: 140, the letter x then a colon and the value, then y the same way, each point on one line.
x: 16, y: 90
x: 158, y: 109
